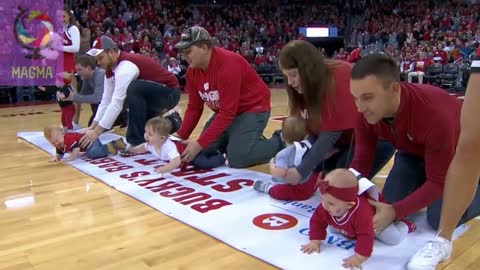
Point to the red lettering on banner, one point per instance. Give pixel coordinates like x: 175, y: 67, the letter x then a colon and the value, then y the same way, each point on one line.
x: 118, y: 163
x: 143, y: 183
x: 164, y: 186
x: 198, y: 201
x: 191, y: 171
x: 102, y: 160
x: 120, y: 168
x: 210, y: 205
x: 147, y: 162
x: 181, y: 191
x: 233, y: 185
x: 133, y: 175
x: 205, y: 181
x: 195, y: 197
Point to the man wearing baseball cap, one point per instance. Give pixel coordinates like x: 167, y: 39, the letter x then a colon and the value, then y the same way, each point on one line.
x: 229, y: 86
x: 151, y: 91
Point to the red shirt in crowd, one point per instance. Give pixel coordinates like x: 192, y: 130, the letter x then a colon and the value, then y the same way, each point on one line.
x: 354, y: 56
x: 421, y: 64
x: 357, y: 224
x: 341, y: 56
x: 416, y: 132
x: 443, y: 54
x: 229, y: 86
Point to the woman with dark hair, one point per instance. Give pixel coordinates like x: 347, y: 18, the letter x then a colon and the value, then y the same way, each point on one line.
x: 319, y: 91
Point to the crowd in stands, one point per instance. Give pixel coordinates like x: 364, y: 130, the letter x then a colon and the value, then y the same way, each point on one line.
x: 420, y: 35
x: 416, y: 33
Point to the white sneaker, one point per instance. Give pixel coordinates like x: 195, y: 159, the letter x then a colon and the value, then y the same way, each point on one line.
x: 431, y: 254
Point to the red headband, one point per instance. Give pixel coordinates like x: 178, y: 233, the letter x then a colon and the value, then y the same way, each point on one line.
x: 347, y: 194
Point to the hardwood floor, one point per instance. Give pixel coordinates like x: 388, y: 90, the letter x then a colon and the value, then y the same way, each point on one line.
x: 55, y: 217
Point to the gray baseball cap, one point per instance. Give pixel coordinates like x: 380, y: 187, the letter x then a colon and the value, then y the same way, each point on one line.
x: 100, y: 44
x: 192, y: 35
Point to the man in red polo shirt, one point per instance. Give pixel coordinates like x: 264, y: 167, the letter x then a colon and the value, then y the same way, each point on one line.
x: 423, y: 124
x: 150, y: 88
x: 233, y: 90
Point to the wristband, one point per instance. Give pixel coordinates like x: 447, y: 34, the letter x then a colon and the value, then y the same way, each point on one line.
x: 475, y: 67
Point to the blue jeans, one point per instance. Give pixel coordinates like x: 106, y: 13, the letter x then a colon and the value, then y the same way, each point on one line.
x: 407, y: 175
x: 97, y: 150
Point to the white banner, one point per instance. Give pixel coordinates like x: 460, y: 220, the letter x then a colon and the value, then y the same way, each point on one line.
x: 223, y: 204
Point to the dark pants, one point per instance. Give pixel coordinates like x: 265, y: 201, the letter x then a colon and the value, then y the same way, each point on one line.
x: 407, y: 175
x: 243, y: 142
x: 342, y: 159
x: 94, y: 108
x: 146, y: 100
x: 208, y: 160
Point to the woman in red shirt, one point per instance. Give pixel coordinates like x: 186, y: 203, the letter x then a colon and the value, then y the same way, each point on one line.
x: 319, y: 91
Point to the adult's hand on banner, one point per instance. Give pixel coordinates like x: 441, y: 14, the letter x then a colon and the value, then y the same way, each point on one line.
x: 191, y: 151
x: 384, y: 215
x: 354, y: 262
x: 90, y: 136
x: 312, y: 246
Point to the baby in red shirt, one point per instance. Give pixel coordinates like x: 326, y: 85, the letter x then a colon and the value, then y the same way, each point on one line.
x: 345, y: 207
x: 68, y: 142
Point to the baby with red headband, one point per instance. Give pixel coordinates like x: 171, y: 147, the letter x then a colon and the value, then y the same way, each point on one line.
x: 350, y: 213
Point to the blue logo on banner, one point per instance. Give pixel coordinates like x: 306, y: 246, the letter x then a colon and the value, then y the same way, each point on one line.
x: 334, y: 240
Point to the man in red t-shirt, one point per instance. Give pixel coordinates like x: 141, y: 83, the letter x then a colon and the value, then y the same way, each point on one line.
x: 229, y: 86
x: 423, y: 124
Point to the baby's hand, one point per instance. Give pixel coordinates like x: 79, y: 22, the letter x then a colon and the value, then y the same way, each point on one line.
x: 53, y: 160
x: 312, y: 246
x: 125, y: 153
x: 159, y: 170
x: 354, y: 262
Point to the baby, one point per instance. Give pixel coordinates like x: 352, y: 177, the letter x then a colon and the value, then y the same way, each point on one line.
x: 69, y: 143
x: 293, y: 133
x: 158, y: 143
x: 350, y: 214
